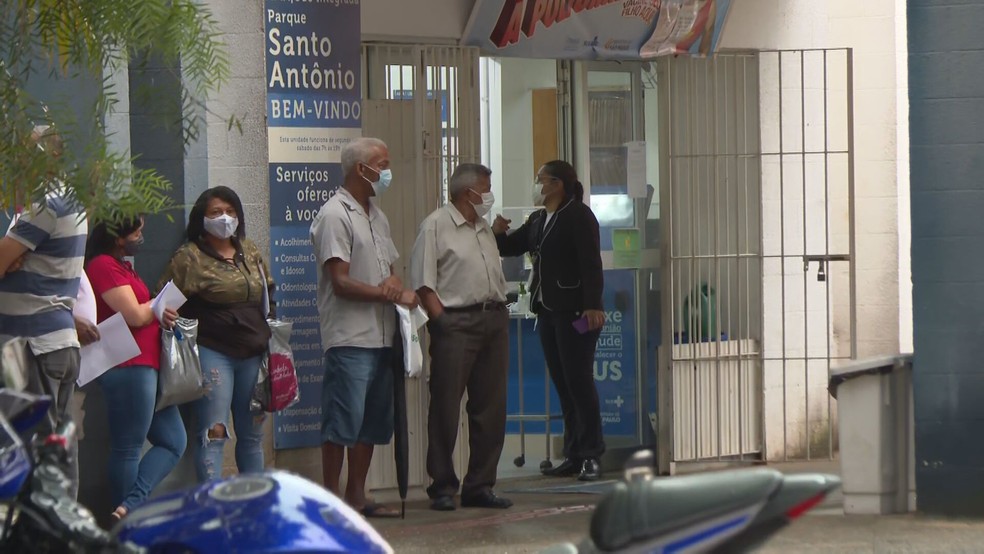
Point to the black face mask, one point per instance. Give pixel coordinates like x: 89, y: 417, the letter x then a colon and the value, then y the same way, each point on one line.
x: 131, y: 247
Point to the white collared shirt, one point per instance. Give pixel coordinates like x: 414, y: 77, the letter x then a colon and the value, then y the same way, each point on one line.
x: 458, y: 261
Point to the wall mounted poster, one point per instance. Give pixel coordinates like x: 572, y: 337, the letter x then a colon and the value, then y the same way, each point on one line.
x: 314, y: 108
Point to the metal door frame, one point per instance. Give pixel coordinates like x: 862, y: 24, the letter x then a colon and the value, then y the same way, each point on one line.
x: 581, y: 150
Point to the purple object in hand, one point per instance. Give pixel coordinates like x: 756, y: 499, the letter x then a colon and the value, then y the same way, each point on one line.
x: 581, y: 324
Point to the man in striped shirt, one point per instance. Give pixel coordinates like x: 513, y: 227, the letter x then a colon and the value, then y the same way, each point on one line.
x: 41, y: 260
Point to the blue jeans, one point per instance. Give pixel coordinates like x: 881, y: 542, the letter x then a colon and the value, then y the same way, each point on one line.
x: 357, y: 396
x: 229, y: 385
x: 131, y: 393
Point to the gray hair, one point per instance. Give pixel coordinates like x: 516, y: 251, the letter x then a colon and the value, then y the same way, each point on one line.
x: 360, y: 150
x: 465, y: 176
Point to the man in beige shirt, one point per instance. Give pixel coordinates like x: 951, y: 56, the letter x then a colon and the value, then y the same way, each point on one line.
x: 457, y: 273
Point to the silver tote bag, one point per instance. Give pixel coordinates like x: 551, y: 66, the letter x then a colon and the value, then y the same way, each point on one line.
x: 180, y: 378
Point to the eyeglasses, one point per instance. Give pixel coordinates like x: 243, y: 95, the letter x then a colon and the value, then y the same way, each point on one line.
x: 543, y: 179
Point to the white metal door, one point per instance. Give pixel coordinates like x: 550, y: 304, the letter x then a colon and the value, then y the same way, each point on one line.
x: 712, y: 256
x: 759, y: 184
x: 423, y: 102
x: 405, y: 205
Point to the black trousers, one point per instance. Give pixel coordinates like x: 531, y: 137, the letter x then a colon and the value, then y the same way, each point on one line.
x: 570, y: 360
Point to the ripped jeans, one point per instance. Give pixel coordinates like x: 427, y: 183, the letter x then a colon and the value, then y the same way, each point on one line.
x: 229, y: 384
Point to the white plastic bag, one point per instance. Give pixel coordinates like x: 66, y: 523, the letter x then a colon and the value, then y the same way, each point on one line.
x: 410, y: 323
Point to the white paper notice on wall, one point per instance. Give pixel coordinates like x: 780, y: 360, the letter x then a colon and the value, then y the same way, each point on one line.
x: 635, y: 162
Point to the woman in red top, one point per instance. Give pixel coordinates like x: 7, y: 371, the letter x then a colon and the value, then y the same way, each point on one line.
x: 131, y: 388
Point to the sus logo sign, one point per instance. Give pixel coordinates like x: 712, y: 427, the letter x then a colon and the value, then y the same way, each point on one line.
x: 610, y: 370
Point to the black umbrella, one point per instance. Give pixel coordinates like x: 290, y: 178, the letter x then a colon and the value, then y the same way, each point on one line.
x: 401, y: 451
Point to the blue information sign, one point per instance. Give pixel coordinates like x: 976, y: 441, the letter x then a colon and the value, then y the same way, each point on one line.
x: 616, y: 367
x: 313, y: 110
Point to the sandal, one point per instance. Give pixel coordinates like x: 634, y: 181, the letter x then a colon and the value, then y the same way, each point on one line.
x: 377, y: 510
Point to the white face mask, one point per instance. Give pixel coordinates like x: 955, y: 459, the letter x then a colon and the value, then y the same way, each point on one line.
x: 488, y: 200
x: 380, y: 185
x: 222, y: 227
x: 538, y: 196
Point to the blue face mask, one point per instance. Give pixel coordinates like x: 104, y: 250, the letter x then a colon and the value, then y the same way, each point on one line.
x: 380, y: 185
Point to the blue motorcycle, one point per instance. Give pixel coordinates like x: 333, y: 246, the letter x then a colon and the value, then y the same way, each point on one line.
x: 39, y: 516
x: 273, y: 511
x: 268, y: 512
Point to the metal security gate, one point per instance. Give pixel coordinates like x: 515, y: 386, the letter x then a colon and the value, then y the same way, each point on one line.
x: 424, y: 102
x: 758, y: 280
x: 809, y: 321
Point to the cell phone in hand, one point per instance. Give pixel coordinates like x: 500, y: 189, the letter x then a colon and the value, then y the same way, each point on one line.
x: 581, y: 324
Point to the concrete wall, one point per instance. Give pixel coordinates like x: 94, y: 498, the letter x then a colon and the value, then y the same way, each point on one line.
x: 520, y: 78
x: 870, y: 29
x: 159, y: 145
x: 946, y: 94
x: 431, y: 21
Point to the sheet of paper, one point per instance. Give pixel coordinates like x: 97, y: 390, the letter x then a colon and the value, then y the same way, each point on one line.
x: 635, y: 163
x: 169, y: 297
x: 115, y: 346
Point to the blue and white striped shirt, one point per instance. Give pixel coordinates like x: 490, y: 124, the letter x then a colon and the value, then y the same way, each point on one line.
x: 36, y: 301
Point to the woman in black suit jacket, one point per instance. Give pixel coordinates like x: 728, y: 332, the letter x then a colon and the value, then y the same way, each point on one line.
x: 565, y: 293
